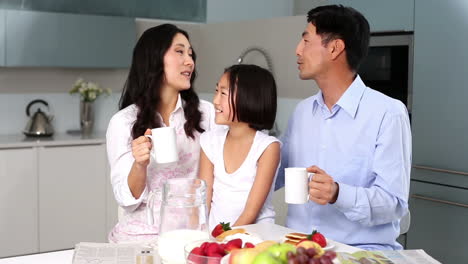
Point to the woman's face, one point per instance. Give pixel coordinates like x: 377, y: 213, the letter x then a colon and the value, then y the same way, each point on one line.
x: 178, y: 63
x: 222, y: 100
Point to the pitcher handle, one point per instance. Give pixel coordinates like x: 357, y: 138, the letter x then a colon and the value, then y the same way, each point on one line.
x: 149, y: 208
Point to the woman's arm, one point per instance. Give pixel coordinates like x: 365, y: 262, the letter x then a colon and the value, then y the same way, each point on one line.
x: 141, y: 148
x: 206, y: 174
x: 266, y: 170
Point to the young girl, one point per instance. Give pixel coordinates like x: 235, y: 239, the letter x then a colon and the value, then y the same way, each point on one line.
x: 239, y: 163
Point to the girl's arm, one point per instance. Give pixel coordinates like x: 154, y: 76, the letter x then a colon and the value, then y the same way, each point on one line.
x: 206, y: 174
x: 266, y: 169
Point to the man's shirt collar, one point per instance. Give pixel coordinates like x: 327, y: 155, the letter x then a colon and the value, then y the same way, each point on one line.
x: 349, y: 101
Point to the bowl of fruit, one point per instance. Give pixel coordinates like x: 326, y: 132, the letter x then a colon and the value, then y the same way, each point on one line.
x: 271, y: 252
x: 211, y: 251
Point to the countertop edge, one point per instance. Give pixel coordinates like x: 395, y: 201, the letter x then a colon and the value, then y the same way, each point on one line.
x: 58, y: 139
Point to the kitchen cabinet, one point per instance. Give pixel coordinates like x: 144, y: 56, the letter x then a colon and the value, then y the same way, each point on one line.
x: 395, y: 15
x: 439, y: 90
x: 72, y: 196
x: 439, y: 128
x: 18, y: 202
x: 45, y: 39
x: 438, y: 218
x: 182, y: 10
x: 54, y: 193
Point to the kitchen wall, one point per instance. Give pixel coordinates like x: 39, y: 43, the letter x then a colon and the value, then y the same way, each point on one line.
x: 19, y: 86
x: 218, y: 46
x: 224, y: 42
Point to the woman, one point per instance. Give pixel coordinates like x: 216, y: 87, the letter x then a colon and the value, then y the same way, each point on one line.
x: 158, y: 92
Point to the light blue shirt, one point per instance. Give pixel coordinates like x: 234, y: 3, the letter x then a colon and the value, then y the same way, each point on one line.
x: 364, y: 143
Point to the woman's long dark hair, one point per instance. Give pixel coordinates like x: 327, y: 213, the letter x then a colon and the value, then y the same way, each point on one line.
x: 145, y: 79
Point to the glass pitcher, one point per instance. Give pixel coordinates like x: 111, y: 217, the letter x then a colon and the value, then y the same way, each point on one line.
x: 183, y: 217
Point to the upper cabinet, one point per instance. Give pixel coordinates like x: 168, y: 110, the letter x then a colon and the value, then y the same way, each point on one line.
x: 44, y: 39
x: 182, y: 10
x: 384, y: 16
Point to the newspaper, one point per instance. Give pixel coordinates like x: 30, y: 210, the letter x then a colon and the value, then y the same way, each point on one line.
x: 106, y: 253
x: 387, y: 257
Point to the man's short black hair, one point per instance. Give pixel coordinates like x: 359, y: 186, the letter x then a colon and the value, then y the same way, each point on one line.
x: 345, y: 23
x: 252, y: 92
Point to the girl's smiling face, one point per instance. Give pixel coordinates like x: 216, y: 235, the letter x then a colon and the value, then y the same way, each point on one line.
x: 222, y: 101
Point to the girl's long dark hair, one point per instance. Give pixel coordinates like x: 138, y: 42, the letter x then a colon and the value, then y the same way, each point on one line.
x: 145, y: 79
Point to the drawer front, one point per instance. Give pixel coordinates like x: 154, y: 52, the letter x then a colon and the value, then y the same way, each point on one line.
x: 439, y: 215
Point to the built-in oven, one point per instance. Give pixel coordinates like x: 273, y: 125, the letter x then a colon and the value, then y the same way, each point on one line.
x: 388, y: 67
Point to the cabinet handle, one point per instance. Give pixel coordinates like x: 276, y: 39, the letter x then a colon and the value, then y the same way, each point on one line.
x: 438, y: 200
x: 440, y: 170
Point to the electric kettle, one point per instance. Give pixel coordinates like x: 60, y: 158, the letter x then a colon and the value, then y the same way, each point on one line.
x: 39, y: 125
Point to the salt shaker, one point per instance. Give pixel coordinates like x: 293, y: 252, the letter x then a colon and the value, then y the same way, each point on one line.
x: 145, y: 257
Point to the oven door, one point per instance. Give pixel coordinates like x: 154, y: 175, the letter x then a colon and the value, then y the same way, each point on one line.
x: 388, y: 66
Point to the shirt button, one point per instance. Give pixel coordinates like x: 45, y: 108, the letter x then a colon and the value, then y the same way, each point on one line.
x: 323, y: 146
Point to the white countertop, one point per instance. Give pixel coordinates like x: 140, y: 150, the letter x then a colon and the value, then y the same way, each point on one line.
x: 58, y: 139
x: 266, y: 231
x: 56, y: 257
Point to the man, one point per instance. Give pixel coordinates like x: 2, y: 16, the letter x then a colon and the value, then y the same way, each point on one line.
x: 356, y: 140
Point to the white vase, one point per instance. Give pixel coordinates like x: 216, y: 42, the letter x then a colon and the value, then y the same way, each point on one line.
x: 86, y: 117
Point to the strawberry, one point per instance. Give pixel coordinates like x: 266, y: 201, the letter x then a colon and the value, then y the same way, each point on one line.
x: 203, y: 247
x: 220, y: 228
x: 249, y: 245
x: 197, y: 251
x: 214, y: 249
x: 318, y: 238
x: 233, y: 244
x: 222, y: 245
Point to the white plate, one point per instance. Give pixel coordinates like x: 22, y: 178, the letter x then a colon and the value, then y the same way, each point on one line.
x: 329, y: 246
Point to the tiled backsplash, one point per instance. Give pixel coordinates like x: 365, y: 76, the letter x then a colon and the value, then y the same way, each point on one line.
x: 65, y: 109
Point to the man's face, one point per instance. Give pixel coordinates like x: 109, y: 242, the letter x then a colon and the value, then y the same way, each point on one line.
x: 311, y: 54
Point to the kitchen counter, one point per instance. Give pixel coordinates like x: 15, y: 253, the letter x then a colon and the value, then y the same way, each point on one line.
x: 58, y: 139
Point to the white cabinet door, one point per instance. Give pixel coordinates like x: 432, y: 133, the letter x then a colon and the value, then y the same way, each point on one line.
x: 72, y: 196
x: 18, y: 202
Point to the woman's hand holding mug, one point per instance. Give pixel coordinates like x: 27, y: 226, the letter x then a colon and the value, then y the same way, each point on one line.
x: 141, y: 149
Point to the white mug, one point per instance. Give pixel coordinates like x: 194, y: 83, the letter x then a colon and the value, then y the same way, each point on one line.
x: 296, y: 181
x: 164, y: 142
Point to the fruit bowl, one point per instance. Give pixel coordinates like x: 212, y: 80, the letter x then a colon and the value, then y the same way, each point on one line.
x: 193, y: 258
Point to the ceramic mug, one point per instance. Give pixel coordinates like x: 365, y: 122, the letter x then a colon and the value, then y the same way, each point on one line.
x: 164, y: 142
x: 296, y: 181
